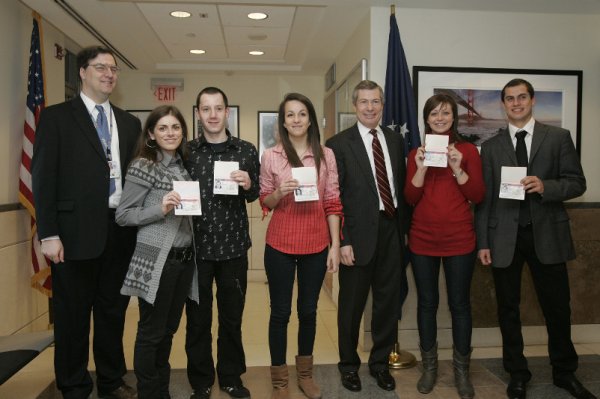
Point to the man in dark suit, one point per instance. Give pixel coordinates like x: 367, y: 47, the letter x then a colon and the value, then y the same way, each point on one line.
x: 371, y: 169
x: 77, y: 171
x: 535, y: 230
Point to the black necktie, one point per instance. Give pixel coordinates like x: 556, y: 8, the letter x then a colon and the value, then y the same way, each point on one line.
x: 382, y: 178
x: 522, y: 160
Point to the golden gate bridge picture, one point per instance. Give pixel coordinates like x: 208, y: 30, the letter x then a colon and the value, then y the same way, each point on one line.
x: 481, y: 114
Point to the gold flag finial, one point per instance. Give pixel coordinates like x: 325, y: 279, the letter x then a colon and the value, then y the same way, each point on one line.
x: 393, y: 7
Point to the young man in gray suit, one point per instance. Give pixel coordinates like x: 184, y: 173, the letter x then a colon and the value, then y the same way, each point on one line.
x: 371, y: 169
x: 536, y: 230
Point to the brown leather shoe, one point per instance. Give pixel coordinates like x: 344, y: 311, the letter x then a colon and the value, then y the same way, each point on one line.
x: 122, y: 392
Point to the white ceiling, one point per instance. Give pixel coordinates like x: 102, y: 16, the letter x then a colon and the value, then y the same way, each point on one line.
x: 299, y: 35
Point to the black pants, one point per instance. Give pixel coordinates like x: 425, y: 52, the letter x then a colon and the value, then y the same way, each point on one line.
x: 231, y: 277
x: 158, y: 322
x: 87, y: 288
x: 281, y: 269
x: 382, y: 275
x: 552, y: 288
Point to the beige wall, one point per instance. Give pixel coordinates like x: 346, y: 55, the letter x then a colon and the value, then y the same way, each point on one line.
x: 430, y: 37
x: 21, y: 307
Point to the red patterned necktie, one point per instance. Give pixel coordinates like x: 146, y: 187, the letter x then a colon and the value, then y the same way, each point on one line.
x: 382, y: 178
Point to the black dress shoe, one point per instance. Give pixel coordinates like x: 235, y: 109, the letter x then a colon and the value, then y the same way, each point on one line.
x: 202, y: 393
x: 384, y: 379
x: 516, y: 389
x: 122, y: 392
x: 351, y: 381
x: 570, y: 383
x: 236, y: 391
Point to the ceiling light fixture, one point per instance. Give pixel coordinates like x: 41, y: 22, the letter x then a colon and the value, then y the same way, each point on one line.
x: 256, y: 52
x: 180, y: 14
x: 257, y: 16
x: 197, y: 51
x: 257, y: 37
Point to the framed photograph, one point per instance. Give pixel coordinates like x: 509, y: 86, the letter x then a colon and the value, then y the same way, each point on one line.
x: 345, y: 120
x: 268, y: 132
x: 233, y: 121
x: 141, y: 114
x: 477, y: 93
x: 330, y: 77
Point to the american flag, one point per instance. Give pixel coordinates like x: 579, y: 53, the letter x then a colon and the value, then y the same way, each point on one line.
x: 41, y: 278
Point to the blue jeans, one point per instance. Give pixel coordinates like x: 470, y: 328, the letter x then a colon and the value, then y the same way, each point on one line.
x: 458, y: 271
x: 281, y: 269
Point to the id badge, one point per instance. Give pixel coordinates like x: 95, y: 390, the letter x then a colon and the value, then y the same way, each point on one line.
x: 115, y: 173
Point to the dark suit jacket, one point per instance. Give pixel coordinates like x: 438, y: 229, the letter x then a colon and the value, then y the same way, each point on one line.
x: 358, y: 190
x: 554, y: 160
x: 70, y: 176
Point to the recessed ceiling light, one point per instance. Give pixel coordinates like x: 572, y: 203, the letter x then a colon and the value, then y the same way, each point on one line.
x: 180, y: 14
x: 257, y: 37
x: 257, y: 15
x: 197, y: 51
x: 256, y: 52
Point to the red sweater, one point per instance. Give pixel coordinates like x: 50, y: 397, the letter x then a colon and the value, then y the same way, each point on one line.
x: 442, y: 222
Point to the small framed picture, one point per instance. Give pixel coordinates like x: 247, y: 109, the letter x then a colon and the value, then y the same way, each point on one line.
x: 141, y: 114
x: 268, y: 131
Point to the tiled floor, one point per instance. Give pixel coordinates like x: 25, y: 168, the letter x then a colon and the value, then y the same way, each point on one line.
x: 35, y: 380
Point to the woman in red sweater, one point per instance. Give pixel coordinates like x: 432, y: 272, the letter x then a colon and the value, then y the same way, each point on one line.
x: 442, y: 232
x: 303, y: 237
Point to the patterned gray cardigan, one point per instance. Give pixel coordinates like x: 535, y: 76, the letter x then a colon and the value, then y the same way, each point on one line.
x: 154, y: 240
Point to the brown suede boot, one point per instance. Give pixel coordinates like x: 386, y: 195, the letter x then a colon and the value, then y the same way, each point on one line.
x: 279, y: 379
x: 304, y: 371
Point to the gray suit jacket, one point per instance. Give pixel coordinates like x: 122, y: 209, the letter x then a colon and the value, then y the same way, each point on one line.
x: 358, y: 190
x: 554, y: 160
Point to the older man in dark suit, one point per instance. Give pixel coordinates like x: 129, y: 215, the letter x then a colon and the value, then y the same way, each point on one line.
x: 535, y: 230
x: 371, y: 169
x: 81, y: 153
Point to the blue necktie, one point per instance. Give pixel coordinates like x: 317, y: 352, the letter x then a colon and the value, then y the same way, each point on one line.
x: 104, y: 135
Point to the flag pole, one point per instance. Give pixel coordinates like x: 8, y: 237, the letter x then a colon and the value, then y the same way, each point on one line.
x: 399, y: 358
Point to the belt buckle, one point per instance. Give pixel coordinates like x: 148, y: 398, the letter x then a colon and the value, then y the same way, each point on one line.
x: 188, y: 255
x: 185, y: 255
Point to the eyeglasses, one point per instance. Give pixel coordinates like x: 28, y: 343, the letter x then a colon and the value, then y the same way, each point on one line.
x: 103, y: 68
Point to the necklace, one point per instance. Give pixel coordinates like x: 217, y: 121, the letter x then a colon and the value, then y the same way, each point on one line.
x: 301, y: 154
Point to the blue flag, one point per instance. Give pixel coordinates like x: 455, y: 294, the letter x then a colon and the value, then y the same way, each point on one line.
x: 399, y: 112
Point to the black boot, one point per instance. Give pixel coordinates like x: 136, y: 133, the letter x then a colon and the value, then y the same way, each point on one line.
x: 461, y: 374
x: 430, y: 368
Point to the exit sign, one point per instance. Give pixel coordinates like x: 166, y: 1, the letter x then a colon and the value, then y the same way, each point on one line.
x: 165, y: 94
